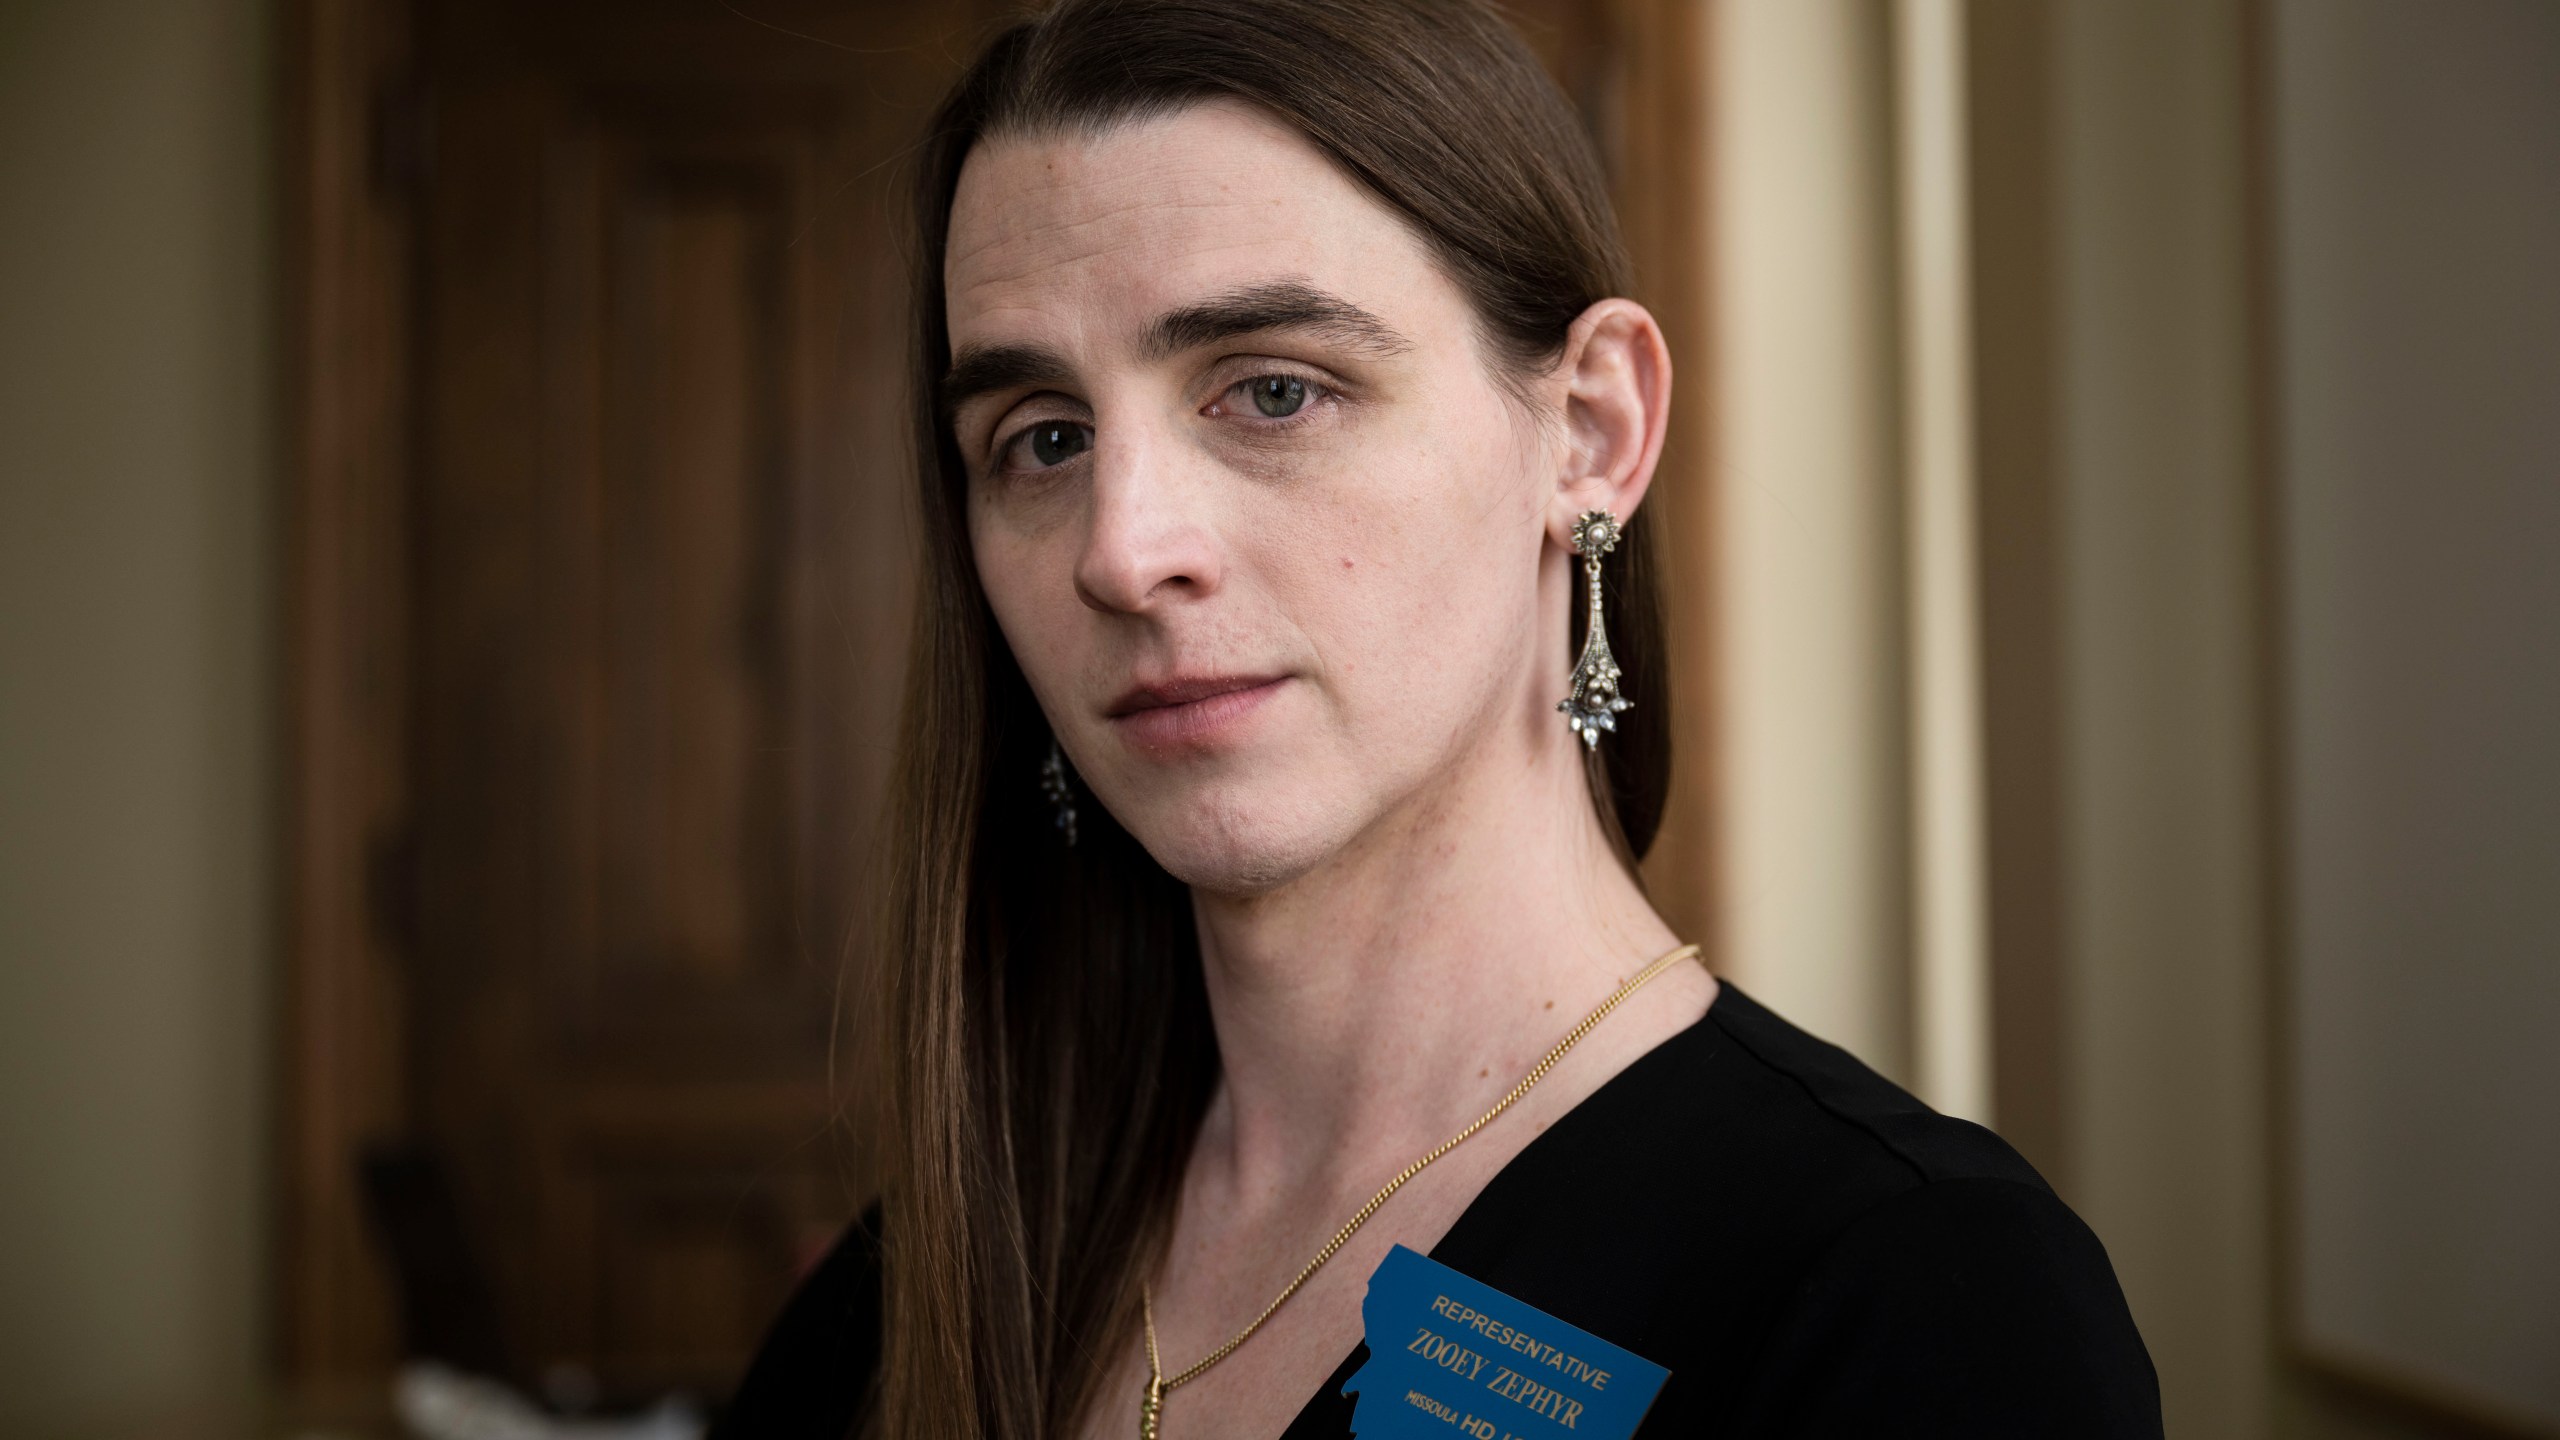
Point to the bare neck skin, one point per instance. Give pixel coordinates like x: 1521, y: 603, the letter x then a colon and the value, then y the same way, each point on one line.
x: 1371, y: 1008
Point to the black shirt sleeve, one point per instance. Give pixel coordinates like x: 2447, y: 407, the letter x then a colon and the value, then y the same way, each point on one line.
x: 813, y: 1373
x: 1971, y: 1307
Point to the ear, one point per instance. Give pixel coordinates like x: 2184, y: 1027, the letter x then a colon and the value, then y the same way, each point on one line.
x: 1616, y: 373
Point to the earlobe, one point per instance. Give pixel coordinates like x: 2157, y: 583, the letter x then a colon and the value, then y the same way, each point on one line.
x: 1617, y: 374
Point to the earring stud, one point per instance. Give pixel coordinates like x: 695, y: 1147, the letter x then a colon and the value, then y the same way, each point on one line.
x: 1593, y: 703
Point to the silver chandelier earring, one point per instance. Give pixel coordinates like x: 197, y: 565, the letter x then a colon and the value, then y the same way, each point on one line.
x: 1592, y: 705
x: 1053, y: 784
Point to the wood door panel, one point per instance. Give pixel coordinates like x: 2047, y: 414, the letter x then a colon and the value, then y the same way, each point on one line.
x: 661, y: 581
x: 694, y: 745
x: 678, y: 368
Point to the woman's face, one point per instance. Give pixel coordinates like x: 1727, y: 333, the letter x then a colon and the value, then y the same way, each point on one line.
x: 1261, y: 524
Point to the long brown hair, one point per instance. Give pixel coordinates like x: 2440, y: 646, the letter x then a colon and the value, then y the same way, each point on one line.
x: 1047, y: 1034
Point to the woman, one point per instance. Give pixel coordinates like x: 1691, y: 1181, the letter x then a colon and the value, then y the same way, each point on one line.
x: 1282, y: 436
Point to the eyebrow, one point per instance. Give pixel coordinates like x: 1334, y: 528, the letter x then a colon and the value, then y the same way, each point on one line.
x: 983, y: 369
x: 1275, y: 305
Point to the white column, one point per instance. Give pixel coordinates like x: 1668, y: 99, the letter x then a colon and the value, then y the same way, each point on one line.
x: 1950, y: 981
x: 1811, y: 556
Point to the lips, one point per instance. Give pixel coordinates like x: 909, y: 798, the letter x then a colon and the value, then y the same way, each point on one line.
x: 1189, y: 710
x: 1183, y: 690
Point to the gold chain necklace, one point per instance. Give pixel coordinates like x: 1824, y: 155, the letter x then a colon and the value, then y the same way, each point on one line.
x: 1152, y: 1410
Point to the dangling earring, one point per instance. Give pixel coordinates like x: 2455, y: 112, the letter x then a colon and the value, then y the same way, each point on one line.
x: 1594, y: 702
x: 1053, y: 784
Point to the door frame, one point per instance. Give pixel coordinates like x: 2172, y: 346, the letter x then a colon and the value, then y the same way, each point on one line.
x: 351, y: 138
x: 349, y: 144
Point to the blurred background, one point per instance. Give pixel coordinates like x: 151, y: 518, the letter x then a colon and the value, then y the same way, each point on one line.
x: 452, y: 584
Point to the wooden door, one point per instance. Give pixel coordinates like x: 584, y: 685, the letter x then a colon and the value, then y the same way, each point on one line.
x: 660, y: 571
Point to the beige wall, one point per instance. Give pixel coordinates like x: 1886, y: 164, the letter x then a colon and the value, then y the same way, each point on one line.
x: 2419, y: 315
x: 136, y: 759
x: 2163, y: 972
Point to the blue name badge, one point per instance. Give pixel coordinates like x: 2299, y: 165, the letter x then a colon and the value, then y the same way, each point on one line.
x: 1451, y: 1357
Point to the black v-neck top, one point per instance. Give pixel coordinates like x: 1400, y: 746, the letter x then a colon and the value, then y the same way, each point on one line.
x: 1809, y: 1250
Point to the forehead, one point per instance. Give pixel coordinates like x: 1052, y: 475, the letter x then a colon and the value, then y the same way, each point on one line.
x: 1081, y: 239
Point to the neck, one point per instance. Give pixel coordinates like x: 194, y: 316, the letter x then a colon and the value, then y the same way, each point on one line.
x: 1369, y: 1008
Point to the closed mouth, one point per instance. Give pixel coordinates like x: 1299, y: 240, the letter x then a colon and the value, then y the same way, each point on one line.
x: 1184, y: 691
x: 1191, y: 713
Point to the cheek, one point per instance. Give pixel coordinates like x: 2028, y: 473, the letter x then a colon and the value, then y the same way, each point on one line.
x: 1423, y: 573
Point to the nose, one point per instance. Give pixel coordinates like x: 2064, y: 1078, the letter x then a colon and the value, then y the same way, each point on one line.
x: 1148, y: 538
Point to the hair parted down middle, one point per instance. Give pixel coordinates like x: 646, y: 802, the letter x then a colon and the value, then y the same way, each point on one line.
x: 1044, y: 1029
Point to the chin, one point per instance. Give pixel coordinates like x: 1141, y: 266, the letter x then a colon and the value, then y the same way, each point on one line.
x: 1238, y: 840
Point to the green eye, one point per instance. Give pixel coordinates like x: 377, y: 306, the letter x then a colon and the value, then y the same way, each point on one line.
x: 1279, y: 395
x: 1056, y: 444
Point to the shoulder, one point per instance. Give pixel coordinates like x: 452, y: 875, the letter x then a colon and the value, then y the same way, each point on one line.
x: 1923, y: 1278
x: 1975, y: 1306
x: 813, y: 1372
x: 1834, y: 1110
x: 1812, y: 1250
x: 1744, y: 1128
